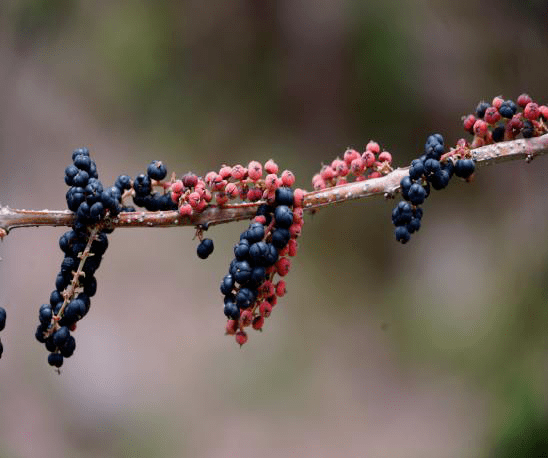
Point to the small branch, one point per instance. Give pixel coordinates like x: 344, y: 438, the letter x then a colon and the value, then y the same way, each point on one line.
x: 387, y: 186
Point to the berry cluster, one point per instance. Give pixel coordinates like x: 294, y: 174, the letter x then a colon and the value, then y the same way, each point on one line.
x: 2, y: 326
x: 142, y: 188
x: 372, y: 163
x: 249, y: 289
x: 83, y: 248
x: 428, y: 171
x: 501, y: 120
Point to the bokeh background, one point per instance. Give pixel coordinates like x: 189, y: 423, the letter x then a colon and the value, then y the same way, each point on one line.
x: 434, y: 349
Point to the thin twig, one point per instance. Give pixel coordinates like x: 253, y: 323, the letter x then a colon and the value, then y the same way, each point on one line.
x: 388, y: 185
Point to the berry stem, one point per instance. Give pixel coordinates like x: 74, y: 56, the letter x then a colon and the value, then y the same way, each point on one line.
x: 386, y: 186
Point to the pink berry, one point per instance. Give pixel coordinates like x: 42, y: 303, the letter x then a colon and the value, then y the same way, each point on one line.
x: 231, y: 327
x: 239, y: 172
x: 221, y: 198
x: 265, y: 309
x: 260, y: 219
x: 468, y: 123
x: 531, y: 111
x: 350, y: 155
x: 327, y: 173
x: 273, y: 300
x: 245, y: 318
x: 385, y: 156
x: 271, y: 167
x: 254, y: 194
x: 241, y: 337
x: 178, y: 187
x: 298, y: 215
x: 207, y: 195
x: 271, y: 182
x: 497, y: 102
x: 375, y: 174
x: 523, y: 100
x: 357, y: 166
x: 295, y: 230
x: 373, y: 147
x: 544, y: 111
x: 258, y: 323
x: 282, y: 266
x: 492, y: 115
x: 288, y: 178
x: 185, y: 210
x: 298, y: 197
x: 267, y: 288
x: 175, y: 196
x: 280, y: 288
x: 194, y: 199
x: 284, y: 251
x: 292, y: 247
x: 210, y: 177
x: 480, y: 128
x: 202, y: 205
x: 255, y: 170
x: 225, y: 172
x: 369, y: 158
x: 232, y: 190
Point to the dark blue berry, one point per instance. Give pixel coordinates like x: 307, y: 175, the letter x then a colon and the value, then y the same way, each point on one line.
x: 39, y: 334
x: 2, y: 318
x: 245, y: 297
x: 227, y: 284
x: 82, y: 213
x: 271, y: 256
x: 258, y: 253
x: 81, y: 179
x: 405, y: 185
x: 69, y: 264
x: 508, y: 109
x: 142, y: 185
x: 528, y: 129
x: 280, y: 238
x: 480, y: 109
x: 464, y: 168
x: 283, y: 216
x: 258, y: 275
x: 241, y: 250
x: 90, y: 285
x: 255, y: 232
x: 50, y: 346
x: 416, y: 170
x: 61, y: 282
x: 431, y: 166
x: 83, y: 162
x: 414, y: 225
x: 75, y: 196
x: 96, y: 211
x: 67, y: 349
x: 231, y: 310
x: 55, y: 359
x: 439, y: 180
x: 84, y: 151
x: 498, y: 134
x: 448, y: 167
x: 205, y: 248
x: 284, y: 196
x: 402, y: 234
x: 60, y: 336
x: 417, y: 194
x: 123, y: 182
x: 70, y: 172
x: 156, y: 170
x: 242, y: 272
x: 45, y: 314
x: 55, y: 297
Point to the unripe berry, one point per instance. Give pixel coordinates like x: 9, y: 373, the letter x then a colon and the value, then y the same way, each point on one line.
x: 271, y: 167
x: 357, y: 166
x: 292, y: 247
x: 265, y: 309
x: 190, y: 180
x: 327, y: 173
x: 385, y: 156
x: 254, y: 194
x: 369, y: 158
x: 194, y: 199
x: 373, y: 147
x: 258, y: 323
x: 288, y: 179
x: 468, y: 123
x: 231, y: 327
x: 497, y: 102
x: 280, y: 288
x: 544, y: 111
x: 271, y: 182
x: 283, y: 265
x: 492, y: 116
x: 255, y: 170
x: 245, y: 318
x: 239, y: 172
x: 350, y: 155
x: 523, y: 100
x: 531, y: 111
x: 241, y: 337
x: 480, y: 128
x: 185, y: 210
x: 374, y: 174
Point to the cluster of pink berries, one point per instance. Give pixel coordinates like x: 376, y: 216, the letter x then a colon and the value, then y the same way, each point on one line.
x: 372, y: 163
x: 501, y: 120
x: 193, y: 194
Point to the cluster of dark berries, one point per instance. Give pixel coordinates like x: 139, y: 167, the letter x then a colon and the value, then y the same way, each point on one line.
x: 372, y: 163
x: 143, y: 188
x: 262, y: 252
x: 428, y: 171
x: 2, y: 326
x: 83, y: 248
x: 502, y: 120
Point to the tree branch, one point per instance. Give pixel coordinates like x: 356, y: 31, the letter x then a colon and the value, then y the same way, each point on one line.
x: 388, y: 186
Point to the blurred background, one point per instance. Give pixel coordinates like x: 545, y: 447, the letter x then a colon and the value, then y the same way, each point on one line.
x: 434, y: 349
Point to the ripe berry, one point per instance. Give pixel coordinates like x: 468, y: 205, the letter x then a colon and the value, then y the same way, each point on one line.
x: 55, y: 359
x: 157, y: 170
x: 402, y: 234
x: 284, y: 196
x: 480, y: 109
x: 242, y: 271
x: 123, y: 182
x: 2, y: 318
x: 464, y: 168
x: 508, y: 109
x: 498, y: 134
x: 83, y: 162
x: 142, y: 185
x: 280, y: 237
x: 60, y: 336
x: 231, y: 310
x: 205, y: 248
x: 417, y: 194
x: 283, y: 216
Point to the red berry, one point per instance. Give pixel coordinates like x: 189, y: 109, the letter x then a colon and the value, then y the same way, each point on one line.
x: 190, y: 180
x: 340, y: 167
x: 255, y: 170
x: 254, y: 194
x: 265, y: 309
x: 283, y: 265
x: 260, y: 219
x: 221, y: 198
x: 267, y: 288
x: 480, y: 128
x: 280, y: 288
x: 544, y: 111
x: 357, y: 166
x: 350, y: 155
x: 373, y: 175
x: 271, y: 182
x: 292, y: 247
x: 369, y: 158
x: 385, y: 156
x: 177, y: 187
x: 523, y: 100
x: 531, y: 111
x: 288, y: 178
x: 258, y: 323
x: 241, y: 337
x: 468, y: 123
x: 298, y: 197
x: 194, y: 199
x: 232, y: 190
x: 497, y: 101
x: 225, y: 172
x: 175, y: 197
x: 492, y: 115
x: 327, y: 173
x: 210, y: 177
x: 185, y: 210
x: 202, y: 205
x: 239, y: 172
x: 245, y: 318
x: 271, y: 166
x: 373, y: 147
x: 231, y: 327
x: 298, y: 215
x: 295, y: 230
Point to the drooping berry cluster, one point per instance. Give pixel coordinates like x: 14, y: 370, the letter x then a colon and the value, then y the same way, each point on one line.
x: 501, y: 120
x: 372, y: 163
x: 83, y: 248
x: 249, y: 289
x: 428, y: 171
x: 2, y: 326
